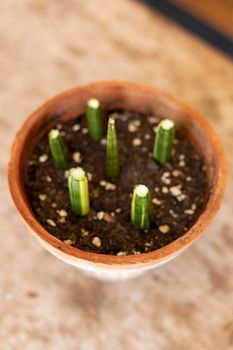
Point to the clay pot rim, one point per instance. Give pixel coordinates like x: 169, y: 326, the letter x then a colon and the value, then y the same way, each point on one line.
x: 211, y: 209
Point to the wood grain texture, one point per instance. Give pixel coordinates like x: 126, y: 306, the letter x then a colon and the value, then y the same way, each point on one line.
x: 218, y: 14
x: 47, y: 47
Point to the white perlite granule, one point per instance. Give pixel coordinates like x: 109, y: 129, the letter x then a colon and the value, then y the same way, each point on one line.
x: 173, y: 214
x: 175, y: 190
x: 176, y: 173
x: 100, y: 215
x: 137, y: 123
x: 164, y: 228
x: 121, y: 253
x: 84, y: 131
x: 164, y: 189
x: 156, y: 201
x: 48, y: 178
x: 103, y: 141
x: 181, y: 197
x: 132, y: 127
x: 166, y: 174
x: 136, y: 252
x: 165, y: 178
x: 182, y: 163
x: 110, y: 187
x: 153, y: 120
x: 147, y: 136
x: 76, y: 127
x: 77, y: 157
x: 189, y: 211
x: 84, y: 233
x: 62, y: 213
x: 194, y: 206
x: 42, y: 197
x: 43, y: 158
x: 68, y: 241
x: 51, y: 222
x: 137, y: 142
x: 90, y: 176
x: 96, y: 241
x: 62, y: 220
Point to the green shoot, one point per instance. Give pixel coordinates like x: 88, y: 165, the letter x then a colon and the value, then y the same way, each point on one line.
x: 164, y: 141
x: 140, y: 207
x: 94, y: 119
x: 78, y: 190
x: 112, y: 158
x: 58, y: 149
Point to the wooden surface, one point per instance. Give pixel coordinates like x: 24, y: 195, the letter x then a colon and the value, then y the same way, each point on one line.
x: 46, y: 47
x: 217, y: 13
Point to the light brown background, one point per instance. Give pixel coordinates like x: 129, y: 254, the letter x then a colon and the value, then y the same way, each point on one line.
x: 46, y: 47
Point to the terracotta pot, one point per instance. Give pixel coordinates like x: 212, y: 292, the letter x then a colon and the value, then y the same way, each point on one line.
x: 126, y: 96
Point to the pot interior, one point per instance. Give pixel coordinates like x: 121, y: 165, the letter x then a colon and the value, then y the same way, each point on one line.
x: 72, y: 104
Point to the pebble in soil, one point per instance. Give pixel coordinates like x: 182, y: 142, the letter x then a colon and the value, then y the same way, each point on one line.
x: 178, y: 190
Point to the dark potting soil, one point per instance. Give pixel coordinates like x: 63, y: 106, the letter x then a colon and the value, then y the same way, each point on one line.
x: 178, y: 190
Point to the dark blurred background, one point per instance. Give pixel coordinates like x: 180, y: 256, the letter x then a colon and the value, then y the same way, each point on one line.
x: 211, y: 20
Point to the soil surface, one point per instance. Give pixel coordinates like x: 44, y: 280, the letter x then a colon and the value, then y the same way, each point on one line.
x: 178, y: 189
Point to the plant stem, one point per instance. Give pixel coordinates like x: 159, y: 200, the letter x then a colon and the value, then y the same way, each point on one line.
x: 94, y: 119
x: 112, y: 158
x: 78, y: 190
x: 57, y: 148
x: 164, y: 141
x: 140, y: 207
